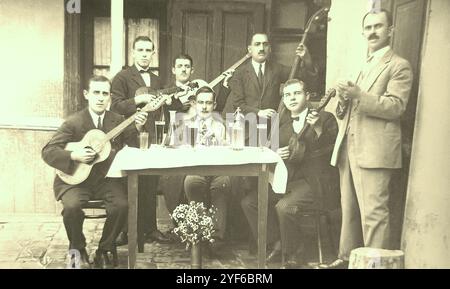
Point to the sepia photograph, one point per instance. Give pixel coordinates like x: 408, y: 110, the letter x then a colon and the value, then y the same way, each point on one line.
x: 213, y: 134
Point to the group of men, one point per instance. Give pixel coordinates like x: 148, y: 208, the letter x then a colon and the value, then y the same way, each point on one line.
x: 366, y: 146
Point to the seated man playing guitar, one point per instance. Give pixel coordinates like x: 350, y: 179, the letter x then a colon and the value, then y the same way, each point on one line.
x: 112, y: 191
x: 306, y: 139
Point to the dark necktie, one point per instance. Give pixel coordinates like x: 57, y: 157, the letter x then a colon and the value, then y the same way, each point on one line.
x: 260, y: 76
x: 99, y: 123
x: 297, y: 118
x: 144, y: 71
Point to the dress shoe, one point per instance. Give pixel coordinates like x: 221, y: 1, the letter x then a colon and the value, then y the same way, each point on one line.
x: 122, y: 239
x: 106, y: 259
x: 337, y: 264
x: 157, y: 236
x: 293, y: 262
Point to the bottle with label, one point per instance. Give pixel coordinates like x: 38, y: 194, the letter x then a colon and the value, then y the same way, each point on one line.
x: 238, y: 131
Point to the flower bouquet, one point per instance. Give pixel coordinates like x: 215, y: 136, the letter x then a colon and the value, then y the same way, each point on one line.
x: 195, y: 223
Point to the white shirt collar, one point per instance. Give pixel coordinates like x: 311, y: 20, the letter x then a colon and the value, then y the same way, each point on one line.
x: 179, y: 84
x: 379, y: 53
x: 95, y: 116
x: 139, y: 68
x: 298, y: 124
x: 256, y: 66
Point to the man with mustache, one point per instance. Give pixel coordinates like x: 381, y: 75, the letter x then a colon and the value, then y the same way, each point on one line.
x: 255, y: 86
x: 368, y: 146
x: 211, y: 190
x: 126, y: 102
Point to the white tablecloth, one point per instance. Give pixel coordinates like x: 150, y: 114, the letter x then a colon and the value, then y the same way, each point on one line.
x: 159, y: 157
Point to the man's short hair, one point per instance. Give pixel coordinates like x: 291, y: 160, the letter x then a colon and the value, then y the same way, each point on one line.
x: 205, y: 89
x: 182, y: 56
x: 97, y: 78
x: 386, y: 12
x: 143, y: 38
x: 259, y: 32
x: 294, y: 81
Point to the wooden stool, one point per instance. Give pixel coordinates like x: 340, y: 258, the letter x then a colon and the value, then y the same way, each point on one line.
x: 372, y: 258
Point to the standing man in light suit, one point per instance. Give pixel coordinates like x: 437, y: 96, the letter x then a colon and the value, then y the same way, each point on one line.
x: 368, y: 146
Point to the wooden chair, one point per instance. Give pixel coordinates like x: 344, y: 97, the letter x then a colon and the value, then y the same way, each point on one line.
x: 91, y: 206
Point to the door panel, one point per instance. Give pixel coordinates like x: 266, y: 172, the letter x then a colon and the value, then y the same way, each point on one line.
x: 409, y: 23
x: 215, y: 33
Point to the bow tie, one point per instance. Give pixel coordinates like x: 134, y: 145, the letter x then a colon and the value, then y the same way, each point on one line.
x: 297, y: 118
x: 144, y: 71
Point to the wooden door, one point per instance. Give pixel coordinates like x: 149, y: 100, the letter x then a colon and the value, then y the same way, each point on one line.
x: 409, y: 24
x: 214, y: 33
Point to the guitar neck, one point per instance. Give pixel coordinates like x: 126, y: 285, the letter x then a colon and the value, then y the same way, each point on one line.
x: 219, y: 78
x: 119, y: 129
x: 297, y: 59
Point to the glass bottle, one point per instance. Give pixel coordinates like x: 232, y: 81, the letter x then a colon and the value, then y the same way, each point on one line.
x: 171, y: 140
x: 237, y: 131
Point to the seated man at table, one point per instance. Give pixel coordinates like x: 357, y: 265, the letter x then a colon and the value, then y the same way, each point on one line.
x: 309, y: 174
x: 211, y: 190
x: 96, y: 186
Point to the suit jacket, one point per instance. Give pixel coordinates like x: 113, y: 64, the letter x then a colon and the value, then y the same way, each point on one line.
x: 310, y: 160
x: 374, y: 119
x: 246, y: 94
x: 123, y: 90
x: 73, y: 130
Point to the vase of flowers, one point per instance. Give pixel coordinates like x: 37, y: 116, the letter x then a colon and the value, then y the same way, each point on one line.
x: 195, y: 224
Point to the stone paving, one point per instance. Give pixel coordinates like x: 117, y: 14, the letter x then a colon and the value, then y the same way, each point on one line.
x: 32, y: 242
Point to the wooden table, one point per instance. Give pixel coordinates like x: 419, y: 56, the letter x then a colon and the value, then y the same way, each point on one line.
x: 258, y: 169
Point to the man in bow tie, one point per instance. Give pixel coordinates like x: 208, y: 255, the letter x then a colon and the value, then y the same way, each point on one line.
x: 126, y: 102
x: 309, y: 176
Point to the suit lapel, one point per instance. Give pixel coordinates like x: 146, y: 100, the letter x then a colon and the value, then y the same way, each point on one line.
x: 377, y: 70
x: 136, y: 76
x: 87, y: 121
x: 267, y: 76
x: 252, y: 76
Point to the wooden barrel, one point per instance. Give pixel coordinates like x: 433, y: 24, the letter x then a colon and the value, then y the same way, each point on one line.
x: 373, y: 258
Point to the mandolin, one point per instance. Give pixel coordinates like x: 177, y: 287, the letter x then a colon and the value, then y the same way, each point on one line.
x: 218, y: 79
x: 99, y: 141
x: 162, y: 95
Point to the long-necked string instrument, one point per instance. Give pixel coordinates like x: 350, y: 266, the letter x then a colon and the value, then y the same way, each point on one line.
x: 317, y: 16
x: 219, y: 78
x: 298, y: 60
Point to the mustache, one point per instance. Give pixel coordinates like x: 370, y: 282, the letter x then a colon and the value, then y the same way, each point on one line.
x: 373, y: 36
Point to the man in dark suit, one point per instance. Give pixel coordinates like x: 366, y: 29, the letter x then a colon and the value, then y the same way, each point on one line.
x: 126, y: 102
x: 113, y: 192
x: 255, y: 86
x: 368, y: 146
x: 310, y: 176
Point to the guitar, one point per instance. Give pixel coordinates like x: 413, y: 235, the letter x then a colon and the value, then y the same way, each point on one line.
x: 99, y: 141
x: 216, y: 80
x: 295, y: 139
